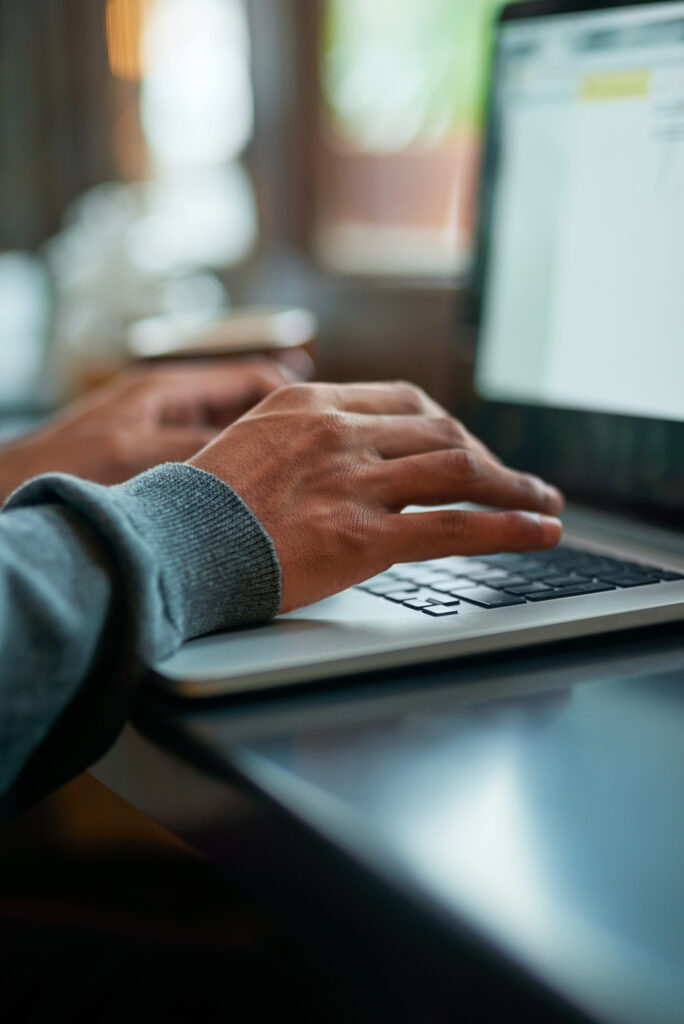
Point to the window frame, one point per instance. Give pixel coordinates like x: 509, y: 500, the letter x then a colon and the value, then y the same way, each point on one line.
x: 372, y: 326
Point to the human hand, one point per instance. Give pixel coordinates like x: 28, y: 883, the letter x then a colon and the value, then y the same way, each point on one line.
x: 327, y: 471
x: 145, y: 416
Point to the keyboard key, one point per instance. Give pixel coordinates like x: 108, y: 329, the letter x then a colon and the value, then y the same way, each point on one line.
x: 626, y: 580
x: 453, y: 584
x: 507, y: 582
x: 401, y: 596
x: 439, y: 598
x: 421, y: 594
x: 498, y: 581
x: 527, y: 565
x: 387, y: 587
x: 487, y: 597
x: 439, y: 611
x: 425, y: 578
x: 582, y: 589
x: 485, y: 575
x: 569, y: 580
x: 529, y: 588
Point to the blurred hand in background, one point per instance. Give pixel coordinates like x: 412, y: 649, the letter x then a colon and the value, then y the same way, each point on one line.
x: 145, y: 416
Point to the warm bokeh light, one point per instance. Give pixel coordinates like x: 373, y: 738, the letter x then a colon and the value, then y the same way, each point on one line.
x: 125, y: 24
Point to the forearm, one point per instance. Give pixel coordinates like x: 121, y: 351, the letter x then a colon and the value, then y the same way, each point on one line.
x: 57, y: 592
x: 98, y: 583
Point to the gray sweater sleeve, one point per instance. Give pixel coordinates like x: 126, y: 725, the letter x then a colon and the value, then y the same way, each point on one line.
x: 98, y: 583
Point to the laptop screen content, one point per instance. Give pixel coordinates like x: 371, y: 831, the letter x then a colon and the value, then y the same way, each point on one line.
x: 583, y: 305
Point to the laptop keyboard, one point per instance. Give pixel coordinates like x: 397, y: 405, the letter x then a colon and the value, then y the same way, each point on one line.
x: 440, y: 589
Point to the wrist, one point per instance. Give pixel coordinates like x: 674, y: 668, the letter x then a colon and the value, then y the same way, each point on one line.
x: 185, y: 536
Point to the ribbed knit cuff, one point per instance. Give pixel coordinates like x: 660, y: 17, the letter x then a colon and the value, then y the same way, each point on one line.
x: 212, y: 563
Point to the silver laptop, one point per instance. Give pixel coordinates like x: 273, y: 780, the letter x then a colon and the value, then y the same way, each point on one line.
x: 579, y: 295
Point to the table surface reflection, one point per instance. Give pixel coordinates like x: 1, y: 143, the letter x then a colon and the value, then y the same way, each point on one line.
x: 539, y: 801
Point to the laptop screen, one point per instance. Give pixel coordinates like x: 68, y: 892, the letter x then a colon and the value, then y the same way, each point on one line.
x: 581, y: 247
x: 584, y: 307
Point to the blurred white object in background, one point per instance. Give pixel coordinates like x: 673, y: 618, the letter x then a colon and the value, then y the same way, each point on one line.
x: 196, y: 98
x: 131, y: 251
x: 102, y: 285
x: 24, y: 320
x: 244, y: 331
x: 197, y: 114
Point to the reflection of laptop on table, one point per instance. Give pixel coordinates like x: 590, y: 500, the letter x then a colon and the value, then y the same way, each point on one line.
x: 580, y: 359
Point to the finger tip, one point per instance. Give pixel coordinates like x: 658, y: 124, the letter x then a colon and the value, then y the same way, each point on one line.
x: 552, y: 528
x: 555, y: 501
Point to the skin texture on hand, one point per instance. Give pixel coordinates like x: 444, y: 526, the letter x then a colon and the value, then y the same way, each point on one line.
x: 145, y: 416
x: 328, y: 469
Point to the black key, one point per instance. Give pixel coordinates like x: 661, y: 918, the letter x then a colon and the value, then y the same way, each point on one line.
x: 508, y: 582
x: 530, y: 567
x: 669, y: 577
x: 453, y: 584
x: 399, y: 596
x: 578, y: 591
x: 507, y: 561
x: 382, y: 587
x: 487, y: 575
x: 569, y: 580
x: 464, y: 566
x: 439, y: 611
x: 596, y: 566
x: 418, y: 603
x: 529, y: 588
x: 437, y: 597
x: 629, y: 579
x: 420, y: 594
x: 425, y: 578
x: 487, y: 597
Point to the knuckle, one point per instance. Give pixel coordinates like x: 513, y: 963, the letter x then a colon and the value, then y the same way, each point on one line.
x: 294, y: 396
x: 355, y: 532
x: 464, y: 465
x: 515, y: 524
x: 449, y: 429
x: 299, y: 394
x: 413, y: 396
x: 332, y: 427
x: 532, y: 488
x: 454, y: 526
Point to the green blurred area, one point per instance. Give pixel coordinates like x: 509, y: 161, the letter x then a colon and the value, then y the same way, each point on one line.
x: 398, y: 72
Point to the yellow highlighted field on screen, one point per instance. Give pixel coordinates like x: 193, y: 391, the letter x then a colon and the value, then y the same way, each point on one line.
x: 616, y: 85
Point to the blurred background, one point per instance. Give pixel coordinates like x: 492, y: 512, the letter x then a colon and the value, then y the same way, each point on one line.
x: 187, y: 157
x: 183, y: 157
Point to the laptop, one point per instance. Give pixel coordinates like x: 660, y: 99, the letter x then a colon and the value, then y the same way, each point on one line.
x: 579, y: 298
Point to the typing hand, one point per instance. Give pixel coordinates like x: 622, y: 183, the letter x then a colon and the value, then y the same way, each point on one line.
x: 145, y: 416
x: 328, y: 469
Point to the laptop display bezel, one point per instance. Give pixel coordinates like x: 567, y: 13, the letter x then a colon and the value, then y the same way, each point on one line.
x: 631, y: 464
